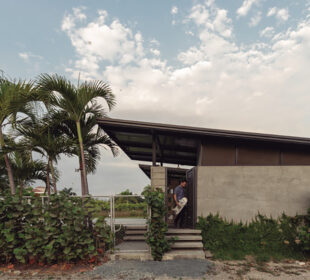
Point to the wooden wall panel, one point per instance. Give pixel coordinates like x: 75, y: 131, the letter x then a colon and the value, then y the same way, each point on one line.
x: 260, y: 154
x: 218, y: 154
x: 296, y: 157
x: 251, y: 155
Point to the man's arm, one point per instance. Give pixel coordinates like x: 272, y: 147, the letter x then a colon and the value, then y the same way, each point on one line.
x: 175, y: 199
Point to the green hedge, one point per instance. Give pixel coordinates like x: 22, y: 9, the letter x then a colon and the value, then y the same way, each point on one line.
x: 61, y: 230
x: 263, y: 237
x: 120, y: 206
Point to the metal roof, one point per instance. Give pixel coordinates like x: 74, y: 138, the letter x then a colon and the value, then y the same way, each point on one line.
x: 179, y: 144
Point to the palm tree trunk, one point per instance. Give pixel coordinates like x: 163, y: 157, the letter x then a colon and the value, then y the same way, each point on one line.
x: 53, y: 176
x: 82, y: 176
x: 21, y: 188
x: 84, y: 185
x: 48, y: 178
x: 8, y: 165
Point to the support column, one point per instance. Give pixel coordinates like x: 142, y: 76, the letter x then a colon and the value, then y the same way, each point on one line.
x: 159, y: 177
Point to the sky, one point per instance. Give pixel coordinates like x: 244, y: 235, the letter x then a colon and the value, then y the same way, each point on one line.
x: 238, y: 65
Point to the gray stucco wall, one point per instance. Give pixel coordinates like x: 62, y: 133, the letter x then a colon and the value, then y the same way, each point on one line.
x: 239, y: 192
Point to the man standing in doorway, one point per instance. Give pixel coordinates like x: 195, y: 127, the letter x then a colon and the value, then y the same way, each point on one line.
x: 178, y: 195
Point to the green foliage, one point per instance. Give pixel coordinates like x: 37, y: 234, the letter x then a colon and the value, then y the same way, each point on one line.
x: 304, y: 234
x: 263, y: 237
x: 156, y: 235
x: 61, y: 230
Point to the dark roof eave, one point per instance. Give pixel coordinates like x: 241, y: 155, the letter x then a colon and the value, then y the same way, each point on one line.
x: 198, y: 131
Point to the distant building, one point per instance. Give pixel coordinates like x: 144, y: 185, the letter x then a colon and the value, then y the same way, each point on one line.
x: 39, y: 190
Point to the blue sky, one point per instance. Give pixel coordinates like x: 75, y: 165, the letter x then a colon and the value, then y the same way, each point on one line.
x: 240, y: 65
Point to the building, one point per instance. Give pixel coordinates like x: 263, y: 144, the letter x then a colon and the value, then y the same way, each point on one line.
x: 39, y: 190
x: 236, y: 174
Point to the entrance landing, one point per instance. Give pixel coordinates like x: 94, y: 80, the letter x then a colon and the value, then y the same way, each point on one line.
x: 132, y: 246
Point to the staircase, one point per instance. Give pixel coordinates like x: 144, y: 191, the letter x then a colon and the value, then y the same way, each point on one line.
x: 133, y: 246
x: 135, y: 233
x: 188, y: 243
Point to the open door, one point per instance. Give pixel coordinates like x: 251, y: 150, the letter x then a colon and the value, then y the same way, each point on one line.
x: 191, y: 193
x: 174, y: 175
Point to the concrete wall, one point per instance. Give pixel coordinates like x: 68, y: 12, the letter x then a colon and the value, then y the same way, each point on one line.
x: 159, y: 177
x: 239, y: 192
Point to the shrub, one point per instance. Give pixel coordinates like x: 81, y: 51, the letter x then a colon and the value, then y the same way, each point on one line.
x: 61, y: 230
x: 263, y: 238
x: 303, y: 237
x: 156, y: 235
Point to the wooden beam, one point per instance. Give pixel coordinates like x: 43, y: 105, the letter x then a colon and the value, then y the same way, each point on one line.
x: 160, y: 149
x: 154, y: 151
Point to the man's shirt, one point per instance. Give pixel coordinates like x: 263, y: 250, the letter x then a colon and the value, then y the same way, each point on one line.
x: 179, y: 192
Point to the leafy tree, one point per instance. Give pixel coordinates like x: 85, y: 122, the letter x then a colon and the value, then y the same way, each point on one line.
x: 68, y: 192
x: 78, y: 103
x: 15, y: 107
x: 42, y: 138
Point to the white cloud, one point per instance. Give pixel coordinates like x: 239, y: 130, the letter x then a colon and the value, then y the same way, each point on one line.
x: 267, y: 32
x: 212, y: 18
x: 255, y: 19
x: 246, y: 7
x: 174, y: 10
x: 154, y: 42
x: 26, y: 56
x: 98, y: 41
x: 220, y: 83
x: 155, y: 52
x: 272, y: 11
x: 191, y: 33
x: 281, y: 14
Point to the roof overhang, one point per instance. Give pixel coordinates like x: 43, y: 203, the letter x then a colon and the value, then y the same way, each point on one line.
x: 144, y: 141
x: 175, y: 173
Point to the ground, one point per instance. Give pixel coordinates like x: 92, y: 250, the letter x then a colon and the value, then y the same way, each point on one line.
x: 166, y: 270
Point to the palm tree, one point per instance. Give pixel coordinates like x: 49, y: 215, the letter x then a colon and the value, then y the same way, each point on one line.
x: 77, y: 102
x: 93, y: 138
x: 15, y: 106
x: 26, y: 169
x: 40, y: 137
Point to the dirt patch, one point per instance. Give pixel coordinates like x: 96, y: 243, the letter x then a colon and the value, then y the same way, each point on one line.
x: 251, y: 270
x: 43, y: 271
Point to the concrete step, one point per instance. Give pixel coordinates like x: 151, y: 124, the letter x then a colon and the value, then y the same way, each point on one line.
x: 134, y: 238
x: 135, y: 232
x: 187, y: 245
x: 140, y: 256
x: 135, y: 227
x: 178, y: 237
x: 184, y: 254
x: 185, y: 237
x: 183, y: 231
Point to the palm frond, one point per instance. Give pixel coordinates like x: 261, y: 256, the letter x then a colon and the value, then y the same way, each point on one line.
x: 89, y: 91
